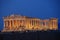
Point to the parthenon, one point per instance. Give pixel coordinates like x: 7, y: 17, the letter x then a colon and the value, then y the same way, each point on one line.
x: 22, y: 23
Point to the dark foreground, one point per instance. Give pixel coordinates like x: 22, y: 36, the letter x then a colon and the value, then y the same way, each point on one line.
x: 38, y: 35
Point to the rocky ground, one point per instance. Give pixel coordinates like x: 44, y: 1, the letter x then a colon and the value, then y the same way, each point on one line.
x: 30, y: 35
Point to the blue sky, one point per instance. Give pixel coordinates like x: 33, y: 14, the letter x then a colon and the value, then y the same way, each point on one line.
x: 34, y: 8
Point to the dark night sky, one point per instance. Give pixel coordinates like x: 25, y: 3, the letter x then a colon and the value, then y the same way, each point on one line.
x: 34, y: 8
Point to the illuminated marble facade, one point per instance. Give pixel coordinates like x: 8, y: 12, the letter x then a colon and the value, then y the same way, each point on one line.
x: 23, y: 23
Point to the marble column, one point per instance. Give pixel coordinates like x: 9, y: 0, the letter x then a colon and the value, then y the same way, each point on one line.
x: 54, y: 24
x: 42, y: 23
x: 10, y: 24
x: 18, y: 23
x: 45, y: 24
x: 4, y: 23
x: 35, y: 22
x: 32, y: 22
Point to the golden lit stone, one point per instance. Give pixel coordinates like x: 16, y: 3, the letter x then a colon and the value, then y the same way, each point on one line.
x: 20, y: 23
